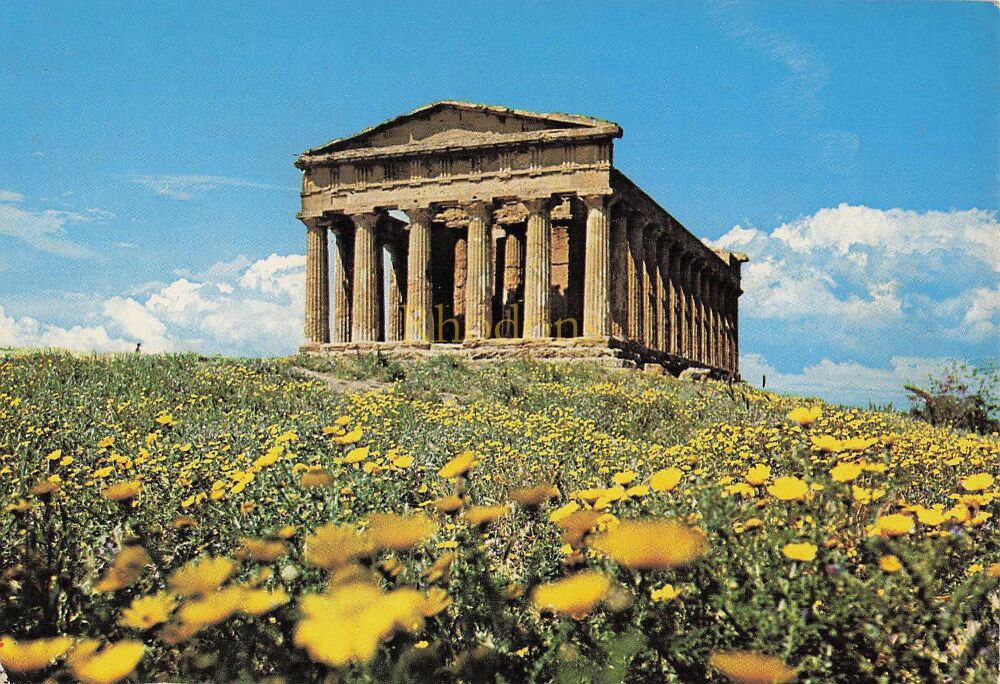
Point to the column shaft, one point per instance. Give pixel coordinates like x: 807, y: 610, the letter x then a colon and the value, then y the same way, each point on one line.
x: 343, y: 276
x: 597, y: 269
x: 634, y: 278
x: 396, y: 315
x: 479, y: 269
x: 662, y: 297
x: 538, y: 270
x: 649, y: 287
x: 419, y: 309
x: 366, y: 309
x: 619, y: 276
x: 317, y: 314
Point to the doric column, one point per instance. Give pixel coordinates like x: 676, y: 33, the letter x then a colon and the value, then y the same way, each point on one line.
x: 734, y: 301
x: 619, y: 274
x: 673, y: 307
x: 479, y: 269
x: 649, y: 286
x: 662, y: 296
x: 597, y: 269
x: 636, y: 308
x: 513, y: 280
x: 538, y: 270
x: 419, y: 305
x: 365, y: 311
x: 396, y: 319
x: 690, y: 318
x: 677, y: 277
x: 317, y: 314
x: 697, y: 314
x: 343, y: 276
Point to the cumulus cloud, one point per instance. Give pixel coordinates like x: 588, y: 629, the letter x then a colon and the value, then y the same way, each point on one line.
x: 29, y: 332
x: 252, y: 309
x: 862, y: 273
x: 848, y: 382
x: 185, y: 187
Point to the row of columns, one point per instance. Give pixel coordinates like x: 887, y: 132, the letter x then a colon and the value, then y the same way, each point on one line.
x: 664, y: 298
x: 670, y: 299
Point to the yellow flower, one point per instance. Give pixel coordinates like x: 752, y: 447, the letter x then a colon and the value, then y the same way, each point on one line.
x: 261, y: 601
x: 575, y: 595
x: 858, y: 444
x: 440, y: 566
x: 625, y: 477
x: 977, y: 482
x: 639, y: 490
x: 357, y: 455
x: 315, y: 476
x: 122, y: 491
x: 665, y: 480
x: 758, y: 475
x: 165, y: 419
x: 894, y: 525
x: 212, y: 608
x: 577, y: 525
x: 788, y: 489
x: 747, y: 667
x: 805, y: 416
x: 437, y: 600
x: 351, y: 437
x: 483, y: 515
x: 535, y: 496
x: 201, y: 576
x: 332, y: 546
x: 448, y: 504
x: 393, y: 532
x: 458, y: 466
x: 826, y: 443
x: 106, y: 442
x: 125, y: 570
x: 803, y: 551
x: 845, y: 472
x: 665, y: 593
x: 741, y: 488
x: 361, y: 615
x: 402, y: 461
x: 890, y: 563
x: 112, y: 664
x: 148, y: 611
x: 993, y: 570
x: 563, y: 511
x: 25, y: 656
x: 646, y: 543
x: 930, y: 516
x: 261, y: 550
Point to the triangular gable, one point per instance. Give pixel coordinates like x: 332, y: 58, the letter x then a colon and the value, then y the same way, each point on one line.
x: 450, y: 121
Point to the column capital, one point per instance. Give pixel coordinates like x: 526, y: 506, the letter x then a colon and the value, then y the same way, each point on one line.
x: 596, y: 201
x: 537, y: 205
x: 481, y: 209
x: 419, y: 215
x: 313, y: 222
x: 368, y: 219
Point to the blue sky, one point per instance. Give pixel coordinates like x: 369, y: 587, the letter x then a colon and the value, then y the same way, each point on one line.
x: 147, y: 188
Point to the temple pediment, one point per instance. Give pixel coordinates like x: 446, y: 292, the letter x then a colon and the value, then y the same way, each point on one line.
x: 461, y: 124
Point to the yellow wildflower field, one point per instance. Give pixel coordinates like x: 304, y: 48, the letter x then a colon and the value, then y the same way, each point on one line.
x: 188, y: 519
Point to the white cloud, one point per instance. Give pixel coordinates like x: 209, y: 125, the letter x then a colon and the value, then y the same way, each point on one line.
x: 28, y: 332
x: 136, y: 321
x: 45, y: 230
x: 10, y: 196
x: 185, y: 187
x: 863, y: 273
x: 847, y: 382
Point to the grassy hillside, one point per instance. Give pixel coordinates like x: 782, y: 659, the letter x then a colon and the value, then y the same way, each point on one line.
x: 230, y: 519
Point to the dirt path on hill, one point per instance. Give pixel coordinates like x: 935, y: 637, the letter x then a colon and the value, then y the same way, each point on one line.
x: 341, y: 384
x: 344, y: 386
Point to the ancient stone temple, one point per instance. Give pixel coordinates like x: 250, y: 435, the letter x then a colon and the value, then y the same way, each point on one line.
x: 520, y: 237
